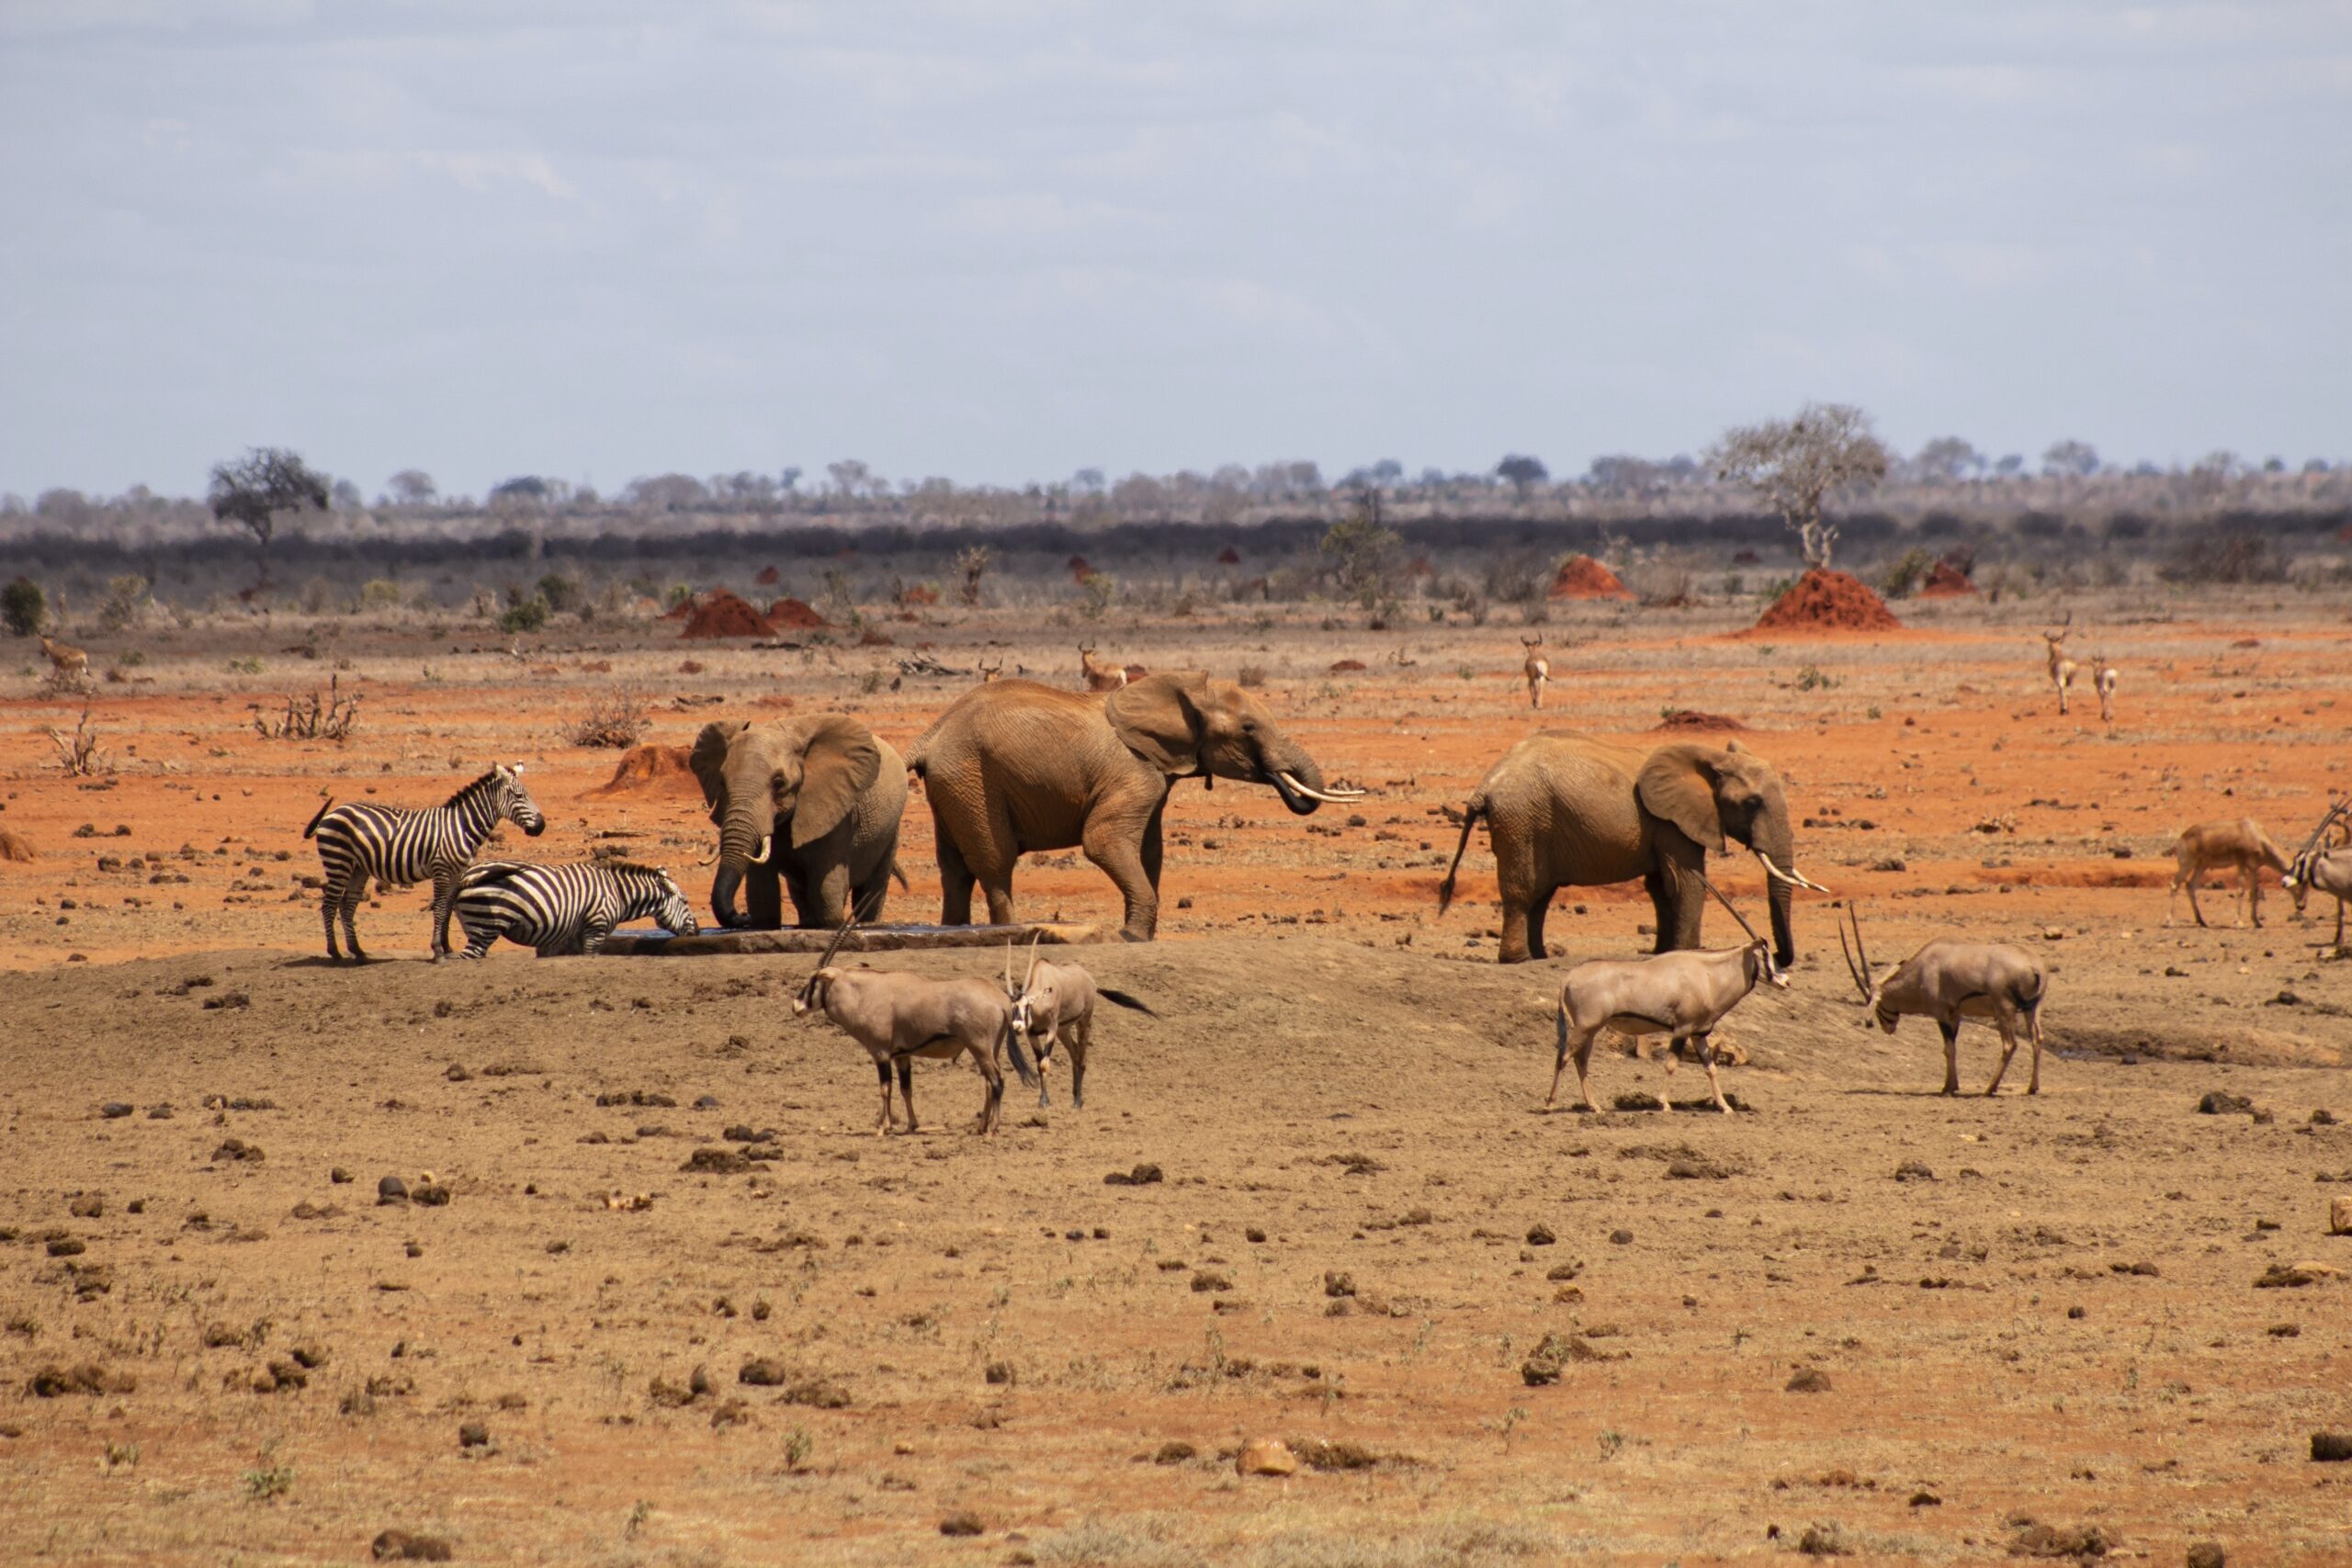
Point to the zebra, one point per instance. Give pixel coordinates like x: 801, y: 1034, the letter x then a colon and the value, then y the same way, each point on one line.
x: 565, y: 908
x: 401, y: 845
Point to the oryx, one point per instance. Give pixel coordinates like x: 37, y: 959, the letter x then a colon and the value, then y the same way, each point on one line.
x: 1949, y: 980
x: 1054, y: 1004
x: 2328, y: 871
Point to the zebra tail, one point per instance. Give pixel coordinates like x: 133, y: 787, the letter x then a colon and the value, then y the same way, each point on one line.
x: 310, y: 829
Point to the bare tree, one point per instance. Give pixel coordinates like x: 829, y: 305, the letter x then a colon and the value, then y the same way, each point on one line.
x: 2079, y: 458
x: 1948, y: 458
x: 413, y: 487
x: 257, y: 488
x: 1793, y: 465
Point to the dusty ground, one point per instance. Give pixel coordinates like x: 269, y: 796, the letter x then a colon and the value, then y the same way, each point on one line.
x: 1354, y: 1091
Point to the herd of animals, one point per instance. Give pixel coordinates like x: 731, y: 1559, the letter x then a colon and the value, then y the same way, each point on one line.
x: 808, y: 809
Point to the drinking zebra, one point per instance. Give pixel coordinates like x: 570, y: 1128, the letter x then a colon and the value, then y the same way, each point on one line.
x: 399, y: 845
x: 565, y: 908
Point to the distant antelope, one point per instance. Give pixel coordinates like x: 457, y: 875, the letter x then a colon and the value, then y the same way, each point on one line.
x: 2323, y: 870
x: 1099, y: 676
x: 2215, y: 846
x: 991, y: 672
x: 1949, y: 980
x: 2103, y: 683
x: 1681, y: 995
x: 1538, y: 670
x: 2062, y: 668
x: 65, y: 661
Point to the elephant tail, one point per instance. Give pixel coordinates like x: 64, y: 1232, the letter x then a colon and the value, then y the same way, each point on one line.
x: 917, y: 757
x: 1470, y: 815
x: 904, y: 885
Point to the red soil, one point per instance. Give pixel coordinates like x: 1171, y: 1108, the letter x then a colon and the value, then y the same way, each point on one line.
x: 794, y: 614
x: 1828, y: 601
x: 1344, y: 666
x: 920, y: 594
x: 644, y: 768
x: 1692, y: 719
x: 723, y: 614
x: 873, y: 638
x: 1946, y: 581
x: 1582, y: 577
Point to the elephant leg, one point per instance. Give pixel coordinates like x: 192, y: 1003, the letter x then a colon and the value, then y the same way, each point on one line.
x: 955, y: 880
x: 1680, y: 898
x: 763, y: 896
x: 1152, y: 847
x: 1524, y: 898
x: 1114, y: 847
x: 869, y: 897
x: 827, y: 896
x: 1538, y: 908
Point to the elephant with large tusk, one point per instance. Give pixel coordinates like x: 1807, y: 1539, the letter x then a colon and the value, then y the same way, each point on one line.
x: 1565, y: 810
x: 809, y: 807
x: 1013, y: 766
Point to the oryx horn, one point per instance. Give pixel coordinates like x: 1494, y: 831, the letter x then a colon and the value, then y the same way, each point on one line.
x: 1732, y: 907
x: 1858, y: 966
x: 1036, y: 937
x: 1794, y: 879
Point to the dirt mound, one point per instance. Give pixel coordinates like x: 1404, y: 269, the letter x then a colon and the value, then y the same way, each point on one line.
x: 1946, y: 581
x: 794, y: 614
x: 1080, y: 571
x: 1582, y: 577
x: 15, y: 846
x: 872, y: 639
x: 682, y: 609
x: 1339, y: 667
x: 645, y: 769
x: 769, y: 576
x: 1228, y: 557
x: 723, y: 614
x: 1692, y: 719
x: 919, y: 593
x: 1825, y: 600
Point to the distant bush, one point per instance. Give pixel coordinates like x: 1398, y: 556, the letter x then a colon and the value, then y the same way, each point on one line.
x: 1904, y: 574
x: 2224, y: 557
x: 380, y: 594
x: 125, y: 597
x: 561, y: 592
x: 617, y: 718
x: 530, y: 615
x: 24, y: 607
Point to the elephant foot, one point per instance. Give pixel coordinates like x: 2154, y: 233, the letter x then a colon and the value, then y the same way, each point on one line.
x: 1128, y: 934
x: 1951, y: 1091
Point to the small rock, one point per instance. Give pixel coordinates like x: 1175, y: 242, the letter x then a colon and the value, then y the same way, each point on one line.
x: 2217, y: 1103
x: 1914, y: 1170
x: 88, y: 1206
x: 339, y: 1176
x: 2331, y: 1447
x: 2207, y: 1554
x: 1812, y: 1379
x: 998, y: 1373
x: 391, y: 1190
x: 1207, y: 1279
x: 473, y: 1434
x: 1621, y: 1238
x: 964, y: 1523
x: 457, y: 1074
x: 713, y: 1160
x: 2057, y: 1541
x: 1267, y: 1456
x: 1539, y: 1236
x: 432, y: 1194
x: 162, y: 1112
x: 1826, y: 1539
x: 2339, y: 1216
x: 114, y: 1110
x: 237, y: 1149
x: 1338, y: 1284
x: 707, y: 1102
x: 1172, y: 1453
x: 405, y: 1546
x: 1256, y: 1235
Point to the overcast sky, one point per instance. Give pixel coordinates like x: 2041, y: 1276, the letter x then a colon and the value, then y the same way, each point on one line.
x: 1002, y: 240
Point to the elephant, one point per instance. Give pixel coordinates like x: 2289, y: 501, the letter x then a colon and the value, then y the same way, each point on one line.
x: 1013, y: 766
x: 813, y: 803
x: 1566, y: 811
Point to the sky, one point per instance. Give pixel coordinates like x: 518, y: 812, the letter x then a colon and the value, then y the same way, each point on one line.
x: 1002, y: 240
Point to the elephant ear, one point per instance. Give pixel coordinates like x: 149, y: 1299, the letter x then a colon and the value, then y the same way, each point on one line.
x: 840, y: 762
x: 708, y: 758
x: 1678, y: 785
x: 1158, y: 718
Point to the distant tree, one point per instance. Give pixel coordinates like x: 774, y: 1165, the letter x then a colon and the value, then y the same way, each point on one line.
x: 345, y: 496
x: 1306, y: 479
x: 267, y: 482
x: 1139, y: 496
x: 972, y: 565
x: 790, y: 479
x: 1387, y: 471
x: 1621, y: 473
x: 1087, y: 482
x: 69, y: 507
x: 1432, y: 478
x: 413, y: 487
x: 666, y: 492
x: 2274, y: 465
x: 852, y: 479
x: 524, y: 489
x: 1794, y: 464
x: 1363, y: 552
x: 1522, y: 472
x: 2316, y: 466
x: 2077, y: 459
x: 2010, y: 465
x: 1948, y: 458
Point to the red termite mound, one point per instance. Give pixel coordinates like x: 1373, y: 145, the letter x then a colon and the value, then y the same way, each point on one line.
x: 723, y: 614
x: 794, y: 614
x: 1946, y: 581
x: 1228, y: 557
x: 769, y: 576
x: 1079, y: 569
x: 1825, y: 600
x: 1582, y: 577
x: 682, y: 609
x: 647, y: 768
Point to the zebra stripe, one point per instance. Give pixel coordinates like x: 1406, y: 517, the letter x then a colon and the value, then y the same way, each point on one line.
x: 398, y: 846
x: 564, y: 908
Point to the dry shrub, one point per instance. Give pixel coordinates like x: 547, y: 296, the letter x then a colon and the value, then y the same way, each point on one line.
x: 617, y: 719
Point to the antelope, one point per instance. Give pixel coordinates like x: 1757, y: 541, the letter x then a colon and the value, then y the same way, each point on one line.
x: 1052, y: 1004
x: 1538, y: 670
x: 897, y: 1016
x: 2103, y: 683
x: 2212, y: 846
x: 1099, y: 676
x: 2327, y: 871
x: 2062, y: 668
x: 1682, y: 995
x: 1949, y: 980
x: 989, y: 672
x: 65, y: 662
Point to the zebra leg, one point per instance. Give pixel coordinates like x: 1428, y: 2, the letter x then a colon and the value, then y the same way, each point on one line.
x: 445, y: 898
x: 591, y: 937
x: 353, y: 892
x: 327, y: 902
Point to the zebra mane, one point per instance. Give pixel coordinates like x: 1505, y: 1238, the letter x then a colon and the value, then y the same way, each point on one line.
x: 482, y: 786
x: 634, y: 868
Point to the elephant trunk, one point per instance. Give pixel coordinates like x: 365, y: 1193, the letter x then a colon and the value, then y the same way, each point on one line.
x: 1295, y: 777
x: 741, y: 840
x: 1775, y: 840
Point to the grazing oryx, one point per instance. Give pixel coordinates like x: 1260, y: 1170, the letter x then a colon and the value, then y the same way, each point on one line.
x: 1949, y: 980
x: 1054, y: 1004
x: 1682, y: 995
x: 2062, y: 668
x: 65, y: 661
x: 898, y: 1017
x: 2103, y: 683
x: 399, y: 846
x: 1538, y: 670
x: 560, y: 909
x: 2215, y: 846
x: 2327, y: 871
x: 1099, y: 676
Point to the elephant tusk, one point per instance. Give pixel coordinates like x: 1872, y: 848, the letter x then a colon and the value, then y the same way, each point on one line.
x: 1328, y: 798
x: 709, y: 859
x: 1792, y: 878
x: 761, y: 854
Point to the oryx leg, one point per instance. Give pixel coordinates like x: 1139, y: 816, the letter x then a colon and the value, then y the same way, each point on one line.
x: 1951, y: 1054
x: 2250, y: 875
x: 2190, y: 884
x: 992, y: 1102
x: 1707, y: 1057
x: 1082, y: 1036
x: 882, y: 1069
x: 907, y: 1089
x: 1579, y: 1041
x: 2004, y: 1019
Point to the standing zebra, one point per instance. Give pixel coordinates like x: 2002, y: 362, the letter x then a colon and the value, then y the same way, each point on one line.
x: 565, y: 908
x: 399, y: 846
